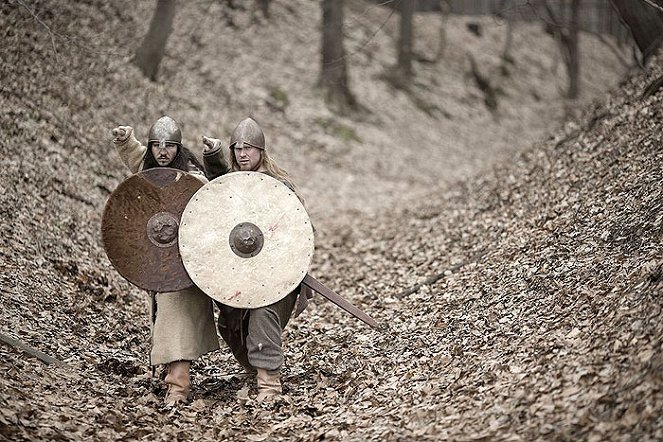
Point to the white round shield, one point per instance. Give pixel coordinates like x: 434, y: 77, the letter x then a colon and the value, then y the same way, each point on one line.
x: 246, y: 239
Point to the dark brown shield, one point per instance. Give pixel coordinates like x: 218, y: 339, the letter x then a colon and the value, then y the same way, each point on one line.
x: 140, y: 227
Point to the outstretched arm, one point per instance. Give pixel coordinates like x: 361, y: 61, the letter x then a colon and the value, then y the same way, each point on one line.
x: 129, y: 148
x: 214, y: 158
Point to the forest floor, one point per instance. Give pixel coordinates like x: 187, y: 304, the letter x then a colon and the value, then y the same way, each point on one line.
x: 511, y: 256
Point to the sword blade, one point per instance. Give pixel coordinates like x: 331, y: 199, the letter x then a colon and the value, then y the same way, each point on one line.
x: 337, y: 299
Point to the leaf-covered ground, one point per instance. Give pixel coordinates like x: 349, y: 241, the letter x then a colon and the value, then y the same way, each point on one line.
x: 517, y: 281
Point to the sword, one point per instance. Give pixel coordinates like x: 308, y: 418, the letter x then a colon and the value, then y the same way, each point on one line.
x: 328, y: 293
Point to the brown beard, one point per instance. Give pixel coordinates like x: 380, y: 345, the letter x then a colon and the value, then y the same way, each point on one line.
x: 182, y: 161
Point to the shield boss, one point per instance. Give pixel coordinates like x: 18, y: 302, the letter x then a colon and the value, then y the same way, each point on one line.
x: 246, y: 239
x: 140, y: 228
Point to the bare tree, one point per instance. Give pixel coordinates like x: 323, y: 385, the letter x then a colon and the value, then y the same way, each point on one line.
x: 506, y: 57
x: 406, y: 9
x: 645, y: 23
x: 148, y: 56
x: 334, y: 76
x: 573, y: 61
x: 264, y: 7
x: 567, y: 38
x: 445, y: 9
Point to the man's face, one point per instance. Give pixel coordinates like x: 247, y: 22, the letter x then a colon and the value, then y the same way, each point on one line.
x: 164, y: 152
x: 248, y: 157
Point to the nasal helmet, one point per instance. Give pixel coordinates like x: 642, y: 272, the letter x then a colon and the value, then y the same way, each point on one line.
x: 247, y: 133
x: 165, y: 129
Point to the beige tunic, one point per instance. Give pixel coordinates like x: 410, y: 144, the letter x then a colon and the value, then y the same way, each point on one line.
x: 183, y: 327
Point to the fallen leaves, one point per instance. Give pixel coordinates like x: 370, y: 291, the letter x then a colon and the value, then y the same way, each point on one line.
x: 544, y: 322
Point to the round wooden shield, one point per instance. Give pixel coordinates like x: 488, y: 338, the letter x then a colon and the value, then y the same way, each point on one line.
x: 246, y: 239
x: 140, y: 225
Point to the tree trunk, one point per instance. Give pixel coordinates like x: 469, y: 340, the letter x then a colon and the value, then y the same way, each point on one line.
x: 333, y: 76
x: 573, y: 62
x: 645, y: 23
x: 506, y: 57
x: 264, y: 7
x: 566, y: 35
x: 406, y: 8
x: 149, y: 54
x: 444, y: 16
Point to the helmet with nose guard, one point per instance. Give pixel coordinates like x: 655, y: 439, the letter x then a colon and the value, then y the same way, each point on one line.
x: 247, y: 133
x: 165, y: 129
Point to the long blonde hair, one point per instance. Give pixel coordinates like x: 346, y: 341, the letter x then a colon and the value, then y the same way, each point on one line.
x: 268, y: 165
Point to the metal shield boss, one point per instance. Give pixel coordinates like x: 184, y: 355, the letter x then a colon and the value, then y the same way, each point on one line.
x: 246, y: 239
x: 140, y: 227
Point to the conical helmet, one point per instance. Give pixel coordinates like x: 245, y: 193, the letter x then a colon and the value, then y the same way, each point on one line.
x: 249, y: 133
x: 165, y: 129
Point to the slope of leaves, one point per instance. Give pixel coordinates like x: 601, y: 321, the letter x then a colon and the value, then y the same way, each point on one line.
x: 551, y: 326
x: 544, y: 322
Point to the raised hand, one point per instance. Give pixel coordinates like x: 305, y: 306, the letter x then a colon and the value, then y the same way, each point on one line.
x: 210, y: 144
x: 121, y: 133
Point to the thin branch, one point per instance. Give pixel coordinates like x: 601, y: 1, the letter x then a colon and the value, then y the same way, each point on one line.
x: 49, y: 116
x: 50, y: 32
x: 434, y: 278
x: 75, y: 197
x: 653, y: 5
x: 368, y: 40
x: 33, y: 352
x: 653, y: 87
x: 556, y: 21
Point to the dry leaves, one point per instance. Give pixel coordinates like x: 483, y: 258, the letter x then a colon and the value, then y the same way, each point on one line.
x: 548, y: 326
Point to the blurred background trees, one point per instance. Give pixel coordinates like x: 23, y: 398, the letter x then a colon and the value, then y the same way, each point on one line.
x: 566, y: 33
x: 333, y: 71
x: 619, y: 24
x: 406, y: 9
x: 644, y: 19
x: 150, y: 52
